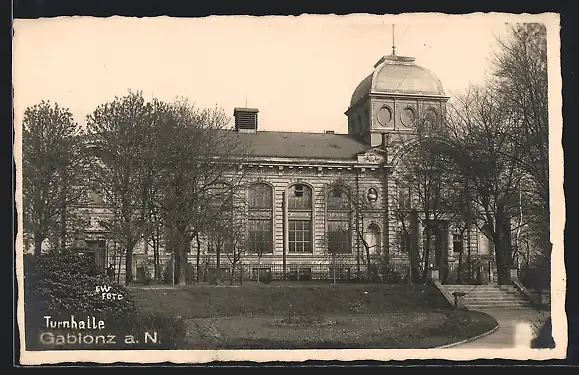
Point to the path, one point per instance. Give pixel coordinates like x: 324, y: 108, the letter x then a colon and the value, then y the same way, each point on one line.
x: 515, y: 329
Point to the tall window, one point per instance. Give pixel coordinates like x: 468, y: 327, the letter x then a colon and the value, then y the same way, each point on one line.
x: 338, y: 221
x: 260, y: 220
x: 300, y: 219
x: 220, y: 212
x: 97, y: 251
x: 457, y: 244
x: 373, y: 239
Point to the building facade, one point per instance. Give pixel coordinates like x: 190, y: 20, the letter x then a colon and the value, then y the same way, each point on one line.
x: 319, y: 204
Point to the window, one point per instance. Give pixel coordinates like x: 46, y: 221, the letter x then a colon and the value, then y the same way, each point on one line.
x: 338, y: 236
x: 434, y: 197
x: 260, y: 218
x: 260, y: 196
x: 373, y: 239
x: 220, y: 199
x: 404, y: 197
x: 404, y: 238
x: 96, y: 250
x: 300, y: 198
x: 300, y: 219
x: 338, y: 200
x: 457, y: 243
x: 300, y: 236
x: 260, y: 236
x: 338, y: 220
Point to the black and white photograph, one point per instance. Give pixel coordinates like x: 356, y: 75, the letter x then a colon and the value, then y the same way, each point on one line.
x: 289, y: 188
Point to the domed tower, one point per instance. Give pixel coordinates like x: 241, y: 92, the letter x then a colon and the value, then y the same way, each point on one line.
x: 393, y: 98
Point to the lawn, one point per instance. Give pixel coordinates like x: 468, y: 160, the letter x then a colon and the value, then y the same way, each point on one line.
x: 314, y: 316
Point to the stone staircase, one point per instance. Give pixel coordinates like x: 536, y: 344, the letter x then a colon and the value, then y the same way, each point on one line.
x: 487, y: 297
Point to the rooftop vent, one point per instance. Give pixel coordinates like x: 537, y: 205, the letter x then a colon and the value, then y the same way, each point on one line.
x: 245, y: 120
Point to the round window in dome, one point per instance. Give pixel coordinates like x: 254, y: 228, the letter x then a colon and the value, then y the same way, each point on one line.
x: 407, y: 116
x: 384, y: 115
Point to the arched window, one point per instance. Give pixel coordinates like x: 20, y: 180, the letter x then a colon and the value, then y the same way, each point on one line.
x: 373, y: 239
x: 260, y: 218
x: 457, y: 243
x: 338, y: 220
x: 431, y: 120
x: 486, y: 245
x: 220, y: 213
x: 300, y: 219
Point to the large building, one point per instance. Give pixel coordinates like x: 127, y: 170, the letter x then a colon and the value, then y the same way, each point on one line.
x: 325, y: 202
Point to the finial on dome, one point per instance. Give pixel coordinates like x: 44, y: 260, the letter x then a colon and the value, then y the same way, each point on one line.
x: 393, y: 44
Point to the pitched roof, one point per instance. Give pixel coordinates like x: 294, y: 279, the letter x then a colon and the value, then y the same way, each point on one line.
x: 302, y: 145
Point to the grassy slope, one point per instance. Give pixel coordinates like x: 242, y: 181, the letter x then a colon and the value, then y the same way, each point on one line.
x: 368, y: 316
x: 205, y: 302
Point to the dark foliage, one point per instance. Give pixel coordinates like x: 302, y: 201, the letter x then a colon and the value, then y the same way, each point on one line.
x: 265, y: 278
x: 63, y: 286
x: 67, y: 281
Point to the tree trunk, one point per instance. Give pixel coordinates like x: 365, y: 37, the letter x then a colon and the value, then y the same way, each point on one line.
x: 182, y: 264
x: 368, y: 268
x: 459, y: 269
x: 218, y: 254
x: 63, y: 229
x: 156, y: 259
x: 197, y: 257
x: 413, y: 248
x: 38, y: 238
x: 258, y: 266
x: 334, y: 267
x: 426, y: 254
x: 128, y: 265
x: 502, y: 247
x: 232, y: 274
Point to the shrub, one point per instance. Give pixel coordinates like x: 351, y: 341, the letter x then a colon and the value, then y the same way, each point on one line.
x: 63, y: 285
x: 67, y: 281
x: 265, y: 278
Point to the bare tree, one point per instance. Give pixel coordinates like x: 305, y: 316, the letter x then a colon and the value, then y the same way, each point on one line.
x: 521, y: 79
x: 197, y: 153
x: 482, y: 132
x: 336, y: 243
x: 53, y: 174
x: 155, y: 237
x: 123, y: 139
x: 346, y: 200
x: 237, y: 245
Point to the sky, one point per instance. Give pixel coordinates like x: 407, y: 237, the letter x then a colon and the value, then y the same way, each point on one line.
x: 299, y: 72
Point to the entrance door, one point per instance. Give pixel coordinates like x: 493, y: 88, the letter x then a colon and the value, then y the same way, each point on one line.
x: 97, y: 251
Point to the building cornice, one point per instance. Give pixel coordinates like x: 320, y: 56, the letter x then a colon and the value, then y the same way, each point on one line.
x: 309, y: 164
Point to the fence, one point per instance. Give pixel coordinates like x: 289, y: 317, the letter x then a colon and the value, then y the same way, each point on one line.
x: 350, y: 271
x: 475, y: 271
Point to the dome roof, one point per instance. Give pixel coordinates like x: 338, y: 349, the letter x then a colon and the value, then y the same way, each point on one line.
x: 398, y: 75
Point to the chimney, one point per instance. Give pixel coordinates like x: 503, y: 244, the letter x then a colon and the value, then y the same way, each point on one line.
x: 245, y: 120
